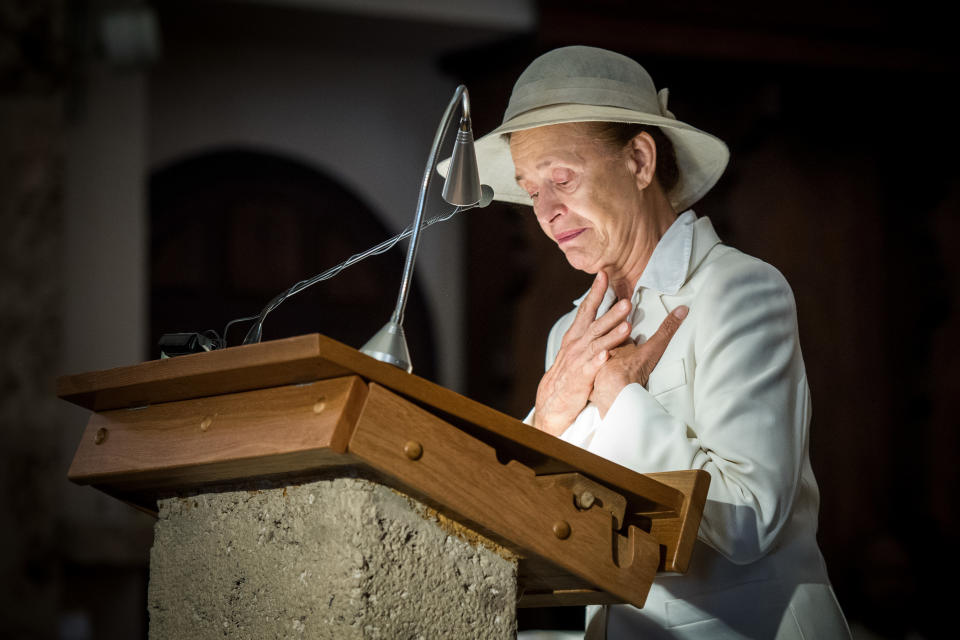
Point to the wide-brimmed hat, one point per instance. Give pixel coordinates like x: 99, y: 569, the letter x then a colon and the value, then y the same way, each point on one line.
x: 586, y: 84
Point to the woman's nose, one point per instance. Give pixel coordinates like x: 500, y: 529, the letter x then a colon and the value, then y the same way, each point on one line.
x: 548, y: 206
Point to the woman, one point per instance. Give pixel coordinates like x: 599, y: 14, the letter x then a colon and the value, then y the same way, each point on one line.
x: 684, y: 353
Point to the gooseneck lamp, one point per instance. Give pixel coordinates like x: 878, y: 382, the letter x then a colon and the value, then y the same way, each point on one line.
x: 462, y: 188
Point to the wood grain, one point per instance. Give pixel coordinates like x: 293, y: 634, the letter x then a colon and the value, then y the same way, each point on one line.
x: 287, y: 410
x: 316, y: 357
x: 461, y: 476
x: 244, y: 435
x: 243, y: 368
x: 566, y: 598
x: 678, y: 532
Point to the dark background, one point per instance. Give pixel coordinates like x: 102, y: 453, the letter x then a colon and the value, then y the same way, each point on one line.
x: 840, y: 119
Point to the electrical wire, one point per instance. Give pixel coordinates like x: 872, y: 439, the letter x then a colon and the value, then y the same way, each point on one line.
x: 253, y: 334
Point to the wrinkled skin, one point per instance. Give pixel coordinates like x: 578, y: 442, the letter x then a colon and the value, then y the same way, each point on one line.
x: 606, y: 212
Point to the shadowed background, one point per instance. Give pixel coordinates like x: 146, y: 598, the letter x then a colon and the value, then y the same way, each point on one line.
x: 169, y: 166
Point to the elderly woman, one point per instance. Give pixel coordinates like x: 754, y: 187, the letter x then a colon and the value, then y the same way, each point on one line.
x: 684, y: 354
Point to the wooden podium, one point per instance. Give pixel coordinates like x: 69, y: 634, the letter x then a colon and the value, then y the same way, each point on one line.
x: 585, y: 530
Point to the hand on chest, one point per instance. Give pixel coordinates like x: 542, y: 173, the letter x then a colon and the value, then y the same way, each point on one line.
x: 650, y: 310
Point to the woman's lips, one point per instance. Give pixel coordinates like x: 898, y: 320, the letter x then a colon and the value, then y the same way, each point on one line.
x: 566, y: 236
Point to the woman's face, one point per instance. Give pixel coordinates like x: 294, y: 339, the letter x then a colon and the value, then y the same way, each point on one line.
x: 585, y: 195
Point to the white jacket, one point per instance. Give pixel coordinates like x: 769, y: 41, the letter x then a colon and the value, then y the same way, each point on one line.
x: 728, y: 396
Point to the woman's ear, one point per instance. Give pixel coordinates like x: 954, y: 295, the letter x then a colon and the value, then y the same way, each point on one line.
x: 643, y: 158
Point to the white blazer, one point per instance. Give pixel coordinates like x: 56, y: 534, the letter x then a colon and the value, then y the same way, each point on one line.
x: 728, y: 396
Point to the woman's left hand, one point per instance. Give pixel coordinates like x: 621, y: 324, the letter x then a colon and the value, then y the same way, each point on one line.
x: 633, y: 363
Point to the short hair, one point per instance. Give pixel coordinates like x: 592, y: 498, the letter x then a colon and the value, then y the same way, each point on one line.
x: 618, y: 134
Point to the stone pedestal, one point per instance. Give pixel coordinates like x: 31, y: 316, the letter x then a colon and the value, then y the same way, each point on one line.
x: 337, y: 558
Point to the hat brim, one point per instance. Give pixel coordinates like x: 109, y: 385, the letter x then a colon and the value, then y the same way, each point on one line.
x: 701, y: 157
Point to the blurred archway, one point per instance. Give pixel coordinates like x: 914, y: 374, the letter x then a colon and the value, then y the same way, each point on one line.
x: 230, y: 229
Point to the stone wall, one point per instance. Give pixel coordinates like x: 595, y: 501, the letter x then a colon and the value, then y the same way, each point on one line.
x: 338, y: 558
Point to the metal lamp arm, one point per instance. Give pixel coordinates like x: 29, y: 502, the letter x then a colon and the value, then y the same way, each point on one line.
x: 462, y: 96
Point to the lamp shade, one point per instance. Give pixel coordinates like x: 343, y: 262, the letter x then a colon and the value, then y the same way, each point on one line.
x: 462, y: 187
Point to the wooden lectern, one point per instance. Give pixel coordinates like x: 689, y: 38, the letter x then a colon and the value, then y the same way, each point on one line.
x: 585, y: 530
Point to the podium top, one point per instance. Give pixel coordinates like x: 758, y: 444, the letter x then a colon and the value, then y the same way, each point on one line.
x: 585, y: 529
x: 312, y: 357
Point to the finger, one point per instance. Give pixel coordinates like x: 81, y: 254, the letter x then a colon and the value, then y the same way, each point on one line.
x: 608, y: 321
x: 588, y: 307
x: 658, y: 342
x: 622, y: 349
x: 610, y: 340
x: 594, y: 364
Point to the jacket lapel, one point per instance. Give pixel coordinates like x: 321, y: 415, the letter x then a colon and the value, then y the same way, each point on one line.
x: 705, y: 238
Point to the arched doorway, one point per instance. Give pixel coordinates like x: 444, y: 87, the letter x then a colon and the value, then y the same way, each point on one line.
x: 230, y: 229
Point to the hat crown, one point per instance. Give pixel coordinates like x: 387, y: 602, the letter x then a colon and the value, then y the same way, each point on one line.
x: 583, y: 75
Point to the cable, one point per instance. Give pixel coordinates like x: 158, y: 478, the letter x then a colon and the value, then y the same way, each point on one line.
x: 223, y: 341
x: 255, y: 332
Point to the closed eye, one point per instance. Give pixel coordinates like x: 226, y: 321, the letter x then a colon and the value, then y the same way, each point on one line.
x: 562, y: 176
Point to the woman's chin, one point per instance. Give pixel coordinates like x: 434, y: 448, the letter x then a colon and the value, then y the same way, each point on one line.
x: 580, y: 262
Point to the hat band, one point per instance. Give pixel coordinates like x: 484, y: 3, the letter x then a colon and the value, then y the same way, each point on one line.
x: 588, y: 91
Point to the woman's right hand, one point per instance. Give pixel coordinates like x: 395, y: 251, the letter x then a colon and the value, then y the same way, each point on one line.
x: 566, y: 386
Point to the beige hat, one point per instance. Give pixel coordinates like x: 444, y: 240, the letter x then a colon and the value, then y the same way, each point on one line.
x: 586, y: 84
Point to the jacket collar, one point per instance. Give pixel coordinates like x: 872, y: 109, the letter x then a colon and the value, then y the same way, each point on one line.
x: 668, y: 266
x: 676, y: 256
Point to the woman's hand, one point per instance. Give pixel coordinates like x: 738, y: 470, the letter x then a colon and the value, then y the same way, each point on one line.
x: 633, y: 363
x: 567, y: 385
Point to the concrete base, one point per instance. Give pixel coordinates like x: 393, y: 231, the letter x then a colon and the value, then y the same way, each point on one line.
x: 339, y: 558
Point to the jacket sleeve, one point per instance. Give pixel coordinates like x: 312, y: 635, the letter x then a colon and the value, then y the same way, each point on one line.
x: 751, y: 411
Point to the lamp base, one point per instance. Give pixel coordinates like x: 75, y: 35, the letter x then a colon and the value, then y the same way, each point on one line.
x: 389, y: 345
